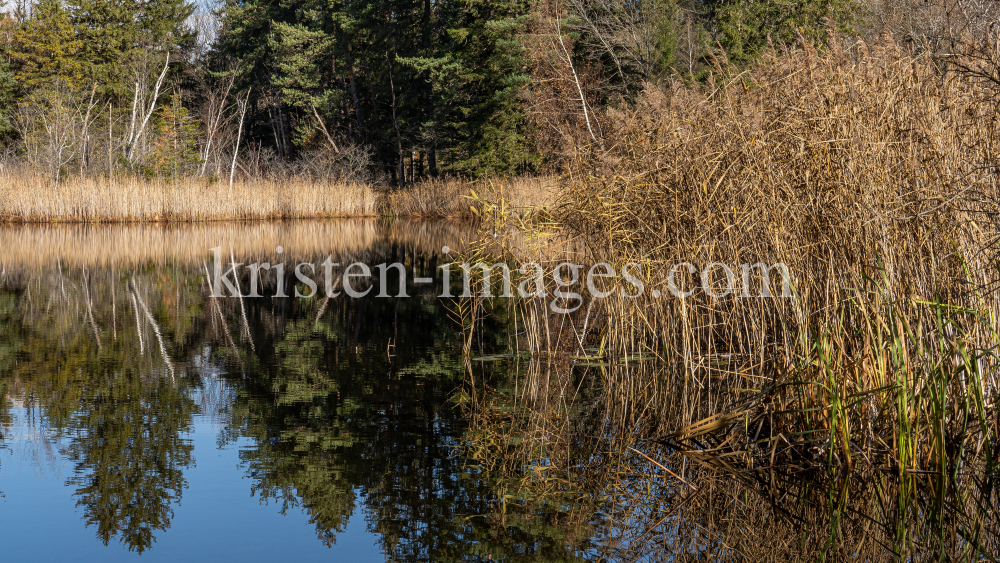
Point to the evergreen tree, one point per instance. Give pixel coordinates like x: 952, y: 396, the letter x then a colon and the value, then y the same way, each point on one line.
x: 8, y: 84
x: 441, y: 80
x: 175, y: 147
x: 8, y: 101
x: 491, y: 134
x: 744, y: 26
x: 47, y: 48
x: 113, y: 32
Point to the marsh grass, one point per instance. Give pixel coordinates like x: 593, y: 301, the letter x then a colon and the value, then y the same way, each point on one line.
x: 28, y: 198
x: 450, y: 198
x: 870, y: 173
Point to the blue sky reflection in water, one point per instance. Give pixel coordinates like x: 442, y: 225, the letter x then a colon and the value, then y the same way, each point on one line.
x: 142, y: 416
x: 216, y: 520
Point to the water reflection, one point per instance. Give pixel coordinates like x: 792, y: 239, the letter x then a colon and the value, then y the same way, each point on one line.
x: 128, y: 454
x: 565, y: 436
x: 364, y: 411
x: 351, y: 404
x: 42, y: 247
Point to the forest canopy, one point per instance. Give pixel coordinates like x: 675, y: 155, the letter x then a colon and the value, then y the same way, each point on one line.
x: 397, y: 89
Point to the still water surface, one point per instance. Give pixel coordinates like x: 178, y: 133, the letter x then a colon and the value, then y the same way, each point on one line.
x: 142, y: 416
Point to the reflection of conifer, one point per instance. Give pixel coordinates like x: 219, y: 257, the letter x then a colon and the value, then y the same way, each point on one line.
x: 332, y: 416
x: 130, y: 456
x: 337, y: 425
x: 122, y: 423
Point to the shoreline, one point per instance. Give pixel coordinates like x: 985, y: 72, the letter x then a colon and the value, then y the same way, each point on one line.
x: 31, y: 199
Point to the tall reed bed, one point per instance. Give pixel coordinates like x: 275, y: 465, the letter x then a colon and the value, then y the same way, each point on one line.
x: 870, y: 174
x: 30, y: 197
x: 451, y: 197
x: 27, y: 197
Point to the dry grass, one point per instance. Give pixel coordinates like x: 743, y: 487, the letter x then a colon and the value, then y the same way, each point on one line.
x: 450, y: 198
x: 871, y: 175
x: 828, y: 163
x: 27, y: 197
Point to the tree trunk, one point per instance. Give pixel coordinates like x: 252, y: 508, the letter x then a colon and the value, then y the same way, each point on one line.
x: 282, y: 122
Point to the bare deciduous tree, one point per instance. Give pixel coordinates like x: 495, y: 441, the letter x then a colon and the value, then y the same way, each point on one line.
x: 140, y: 108
x: 242, y: 106
x: 49, y: 122
x: 627, y: 37
x: 939, y: 25
x: 214, y: 117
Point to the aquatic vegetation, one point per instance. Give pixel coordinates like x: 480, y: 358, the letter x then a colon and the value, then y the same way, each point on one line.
x: 26, y: 197
x: 29, y: 198
x: 451, y: 197
x: 891, y: 268
x: 862, y: 406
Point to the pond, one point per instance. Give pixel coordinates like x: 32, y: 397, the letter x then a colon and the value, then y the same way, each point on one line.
x: 144, y: 415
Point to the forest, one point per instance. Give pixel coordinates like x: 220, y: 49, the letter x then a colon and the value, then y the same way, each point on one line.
x: 385, y: 93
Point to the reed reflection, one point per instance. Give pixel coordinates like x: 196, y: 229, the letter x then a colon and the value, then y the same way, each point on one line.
x: 349, y: 404
x: 590, y: 439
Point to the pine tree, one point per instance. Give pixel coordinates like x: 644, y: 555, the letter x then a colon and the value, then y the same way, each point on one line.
x: 47, y: 48
x: 175, y: 147
x: 442, y: 79
x: 8, y: 101
x: 490, y: 126
x: 8, y: 84
x: 744, y: 26
x: 113, y: 32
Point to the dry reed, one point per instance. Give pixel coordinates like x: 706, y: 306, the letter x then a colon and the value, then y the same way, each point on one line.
x: 27, y: 198
x: 870, y: 174
x: 451, y: 198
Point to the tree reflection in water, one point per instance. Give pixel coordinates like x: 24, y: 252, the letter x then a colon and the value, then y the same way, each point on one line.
x: 349, y: 404
x: 344, y: 414
x: 366, y: 407
x: 115, y: 416
x: 129, y: 454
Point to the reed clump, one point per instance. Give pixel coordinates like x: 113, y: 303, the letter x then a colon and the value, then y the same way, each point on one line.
x: 27, y: 197
x: 450, y: 198
x: 870, y: 174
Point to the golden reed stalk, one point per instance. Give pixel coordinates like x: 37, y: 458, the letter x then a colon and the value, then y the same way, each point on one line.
x: 30, y: 197
x: 27, y: 197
